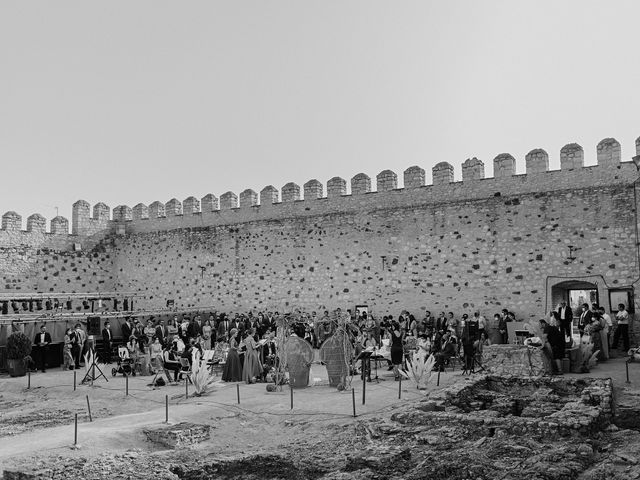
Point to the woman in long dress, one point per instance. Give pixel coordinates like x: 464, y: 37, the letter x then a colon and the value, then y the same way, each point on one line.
x: 232, y: 368
x: 252, y: 368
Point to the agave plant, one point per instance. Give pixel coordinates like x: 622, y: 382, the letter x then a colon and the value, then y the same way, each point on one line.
x: 201, y: 377
x: 419, y: 369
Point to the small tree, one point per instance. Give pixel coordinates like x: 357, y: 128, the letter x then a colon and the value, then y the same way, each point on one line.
x: 18, y: 346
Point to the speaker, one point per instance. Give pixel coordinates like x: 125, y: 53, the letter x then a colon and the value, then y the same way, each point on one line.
x: 77, y: 247
x: 93, y: 326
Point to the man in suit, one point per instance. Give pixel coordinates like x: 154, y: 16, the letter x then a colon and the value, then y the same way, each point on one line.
x: 195, y: 328
x: 41, y: 347
x: 79, y: 338
x: 127, y: 328
x: 585, y: 318
x: 107, y: 337
x: 566, y: 318
x: 161, y: 332
x: 223, y: 327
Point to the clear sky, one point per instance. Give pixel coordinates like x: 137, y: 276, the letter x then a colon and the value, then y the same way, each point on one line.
x: 136, y: 101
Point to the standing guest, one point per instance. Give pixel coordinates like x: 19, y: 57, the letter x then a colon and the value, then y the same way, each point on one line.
x: 605, y: 332
x: 453, y: 325
x: 183, y: 329
x: 195, y: 327
x: 223, y: 327
x: 623, y: 328
x: 107, y: 337
x: 566, y: 319
x: 555, y: 343
x: 396, y: 348
x: 441, y: 324
x: 161, y: 332
x: 79, y: 338
x: 68, y: 363
x: 502, y: 327
x: 207, y: 331
x: 232, y: 368
x: 252, y: 368
x: 150, y: 331
x: 585, y: 318
x: 41, y: 344
x: 430, y: 323
x: 127, y: 328
x: 172, y: 327
x: 482, y: 323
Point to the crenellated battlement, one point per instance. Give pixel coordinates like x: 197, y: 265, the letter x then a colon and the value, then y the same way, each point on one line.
x: 292, y: 200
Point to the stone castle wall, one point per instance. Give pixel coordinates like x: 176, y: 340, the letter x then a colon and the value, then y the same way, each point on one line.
x: 483, y: 243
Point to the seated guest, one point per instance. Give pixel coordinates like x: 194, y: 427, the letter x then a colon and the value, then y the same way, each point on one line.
x: 170, y: 358
x: 424, y: 346
x: 448, y: 350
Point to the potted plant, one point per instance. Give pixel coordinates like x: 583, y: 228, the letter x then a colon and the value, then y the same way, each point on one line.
x: 18, y: 347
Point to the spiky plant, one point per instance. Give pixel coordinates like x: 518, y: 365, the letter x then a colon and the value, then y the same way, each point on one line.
x: 419, y: 369
x: 201, y: 377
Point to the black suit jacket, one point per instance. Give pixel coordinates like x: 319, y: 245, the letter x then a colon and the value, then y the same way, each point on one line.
x: 107, y: 337
x: 584, y: 320
x: 568, y: 317
x: 126, y: 331
x: 161, y: 333
x: 47, y: 339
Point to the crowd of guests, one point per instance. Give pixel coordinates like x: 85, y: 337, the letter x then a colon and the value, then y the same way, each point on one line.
x: 245, y: 343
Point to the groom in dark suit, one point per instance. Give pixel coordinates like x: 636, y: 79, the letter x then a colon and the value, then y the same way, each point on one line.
x: 41, y: 344
x: 106, y: 342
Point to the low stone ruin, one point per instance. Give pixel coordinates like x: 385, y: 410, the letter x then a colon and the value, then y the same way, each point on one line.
x: 179, y: 435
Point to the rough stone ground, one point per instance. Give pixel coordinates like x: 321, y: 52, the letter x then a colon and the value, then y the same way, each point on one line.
x: 263, y: 438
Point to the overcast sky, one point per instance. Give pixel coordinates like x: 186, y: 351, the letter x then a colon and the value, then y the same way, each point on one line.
x: 136, y: 101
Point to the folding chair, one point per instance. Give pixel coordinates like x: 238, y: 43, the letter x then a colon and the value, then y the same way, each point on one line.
x: 157, y: 367
x: 185, y: 369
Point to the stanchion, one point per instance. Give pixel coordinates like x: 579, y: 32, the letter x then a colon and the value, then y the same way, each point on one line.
x: 89, y: 409
x: 186, y: 387
x: 75, y: 380
x: 126, y: 385
x: 238, y: 392
x: 353, y: 398
x: 438, y: 384
x: 399, y: 388
x: 291, y: 390
x: 626, y: 365
x: 364, y: 388
x: 166, y: 408
x: 75, y: 431
x: 29, y: 379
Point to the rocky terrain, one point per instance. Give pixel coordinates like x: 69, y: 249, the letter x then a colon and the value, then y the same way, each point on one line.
x: 461, y: 432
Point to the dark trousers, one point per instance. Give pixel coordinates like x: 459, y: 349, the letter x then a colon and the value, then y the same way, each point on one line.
x: 75, y: 353
x: 106, y: 353
x: 173, y: 367
x: 565, y: 327
x: 40, y: 356
x: 622, y: 330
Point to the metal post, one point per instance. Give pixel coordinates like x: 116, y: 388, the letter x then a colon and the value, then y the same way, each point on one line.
x: 28, y: 379
x: 238, y: 392
x: 364, y: 387
x: 166, y: 408
x: 438, y: 384
x: 75, y: 377
x: 75, y: 431
x: 126, y: 384
x: 291, y: 390
x: 353, y: 398
x: 89, y: 409
x: 626, y: 365
x: 186, y: 387
x: 399, y: 388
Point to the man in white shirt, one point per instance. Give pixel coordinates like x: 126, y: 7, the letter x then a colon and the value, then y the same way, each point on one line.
x: 623, y: 328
